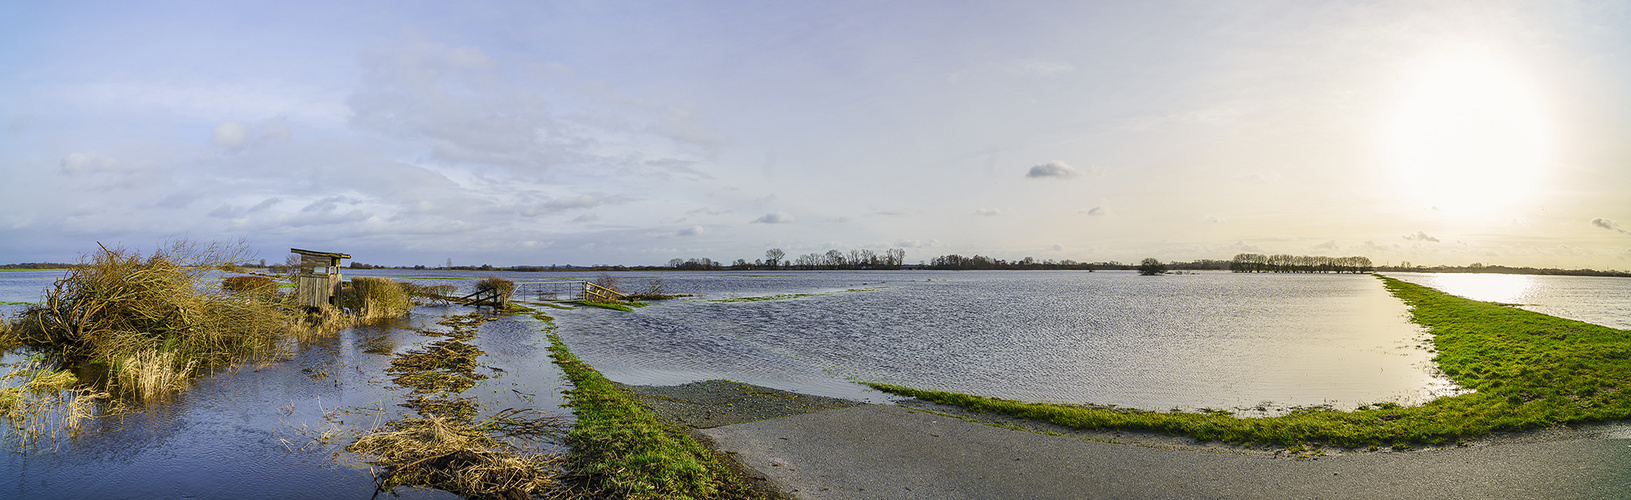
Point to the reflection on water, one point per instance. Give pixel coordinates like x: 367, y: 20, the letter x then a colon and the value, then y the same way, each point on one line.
x: 249, y: 432
x: 1593, y: 299
x: 1216, y: 340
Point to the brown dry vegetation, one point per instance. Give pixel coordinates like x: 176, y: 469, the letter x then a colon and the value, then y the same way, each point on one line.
x: 503, y: 286
x: 155, y: 316
x: 372, y: 298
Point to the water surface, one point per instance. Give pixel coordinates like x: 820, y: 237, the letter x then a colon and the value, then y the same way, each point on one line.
x: 1205, y: 340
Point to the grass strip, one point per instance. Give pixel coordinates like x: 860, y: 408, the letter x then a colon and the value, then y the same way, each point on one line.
x: 623, y: 450
x: 609, y: 305
x: 1528, y: 371
x: 790, y: 296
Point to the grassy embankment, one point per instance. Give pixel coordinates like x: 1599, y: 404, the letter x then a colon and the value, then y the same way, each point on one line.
x: 1528, y: 371
x: 620, y: 449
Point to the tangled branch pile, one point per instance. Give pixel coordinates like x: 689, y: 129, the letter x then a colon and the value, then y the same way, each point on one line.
x: 157, y: 315
x: 503, y: 286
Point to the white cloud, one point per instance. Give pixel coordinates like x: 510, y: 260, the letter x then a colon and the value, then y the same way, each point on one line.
x: 586, y: 217
x: 77, y: 163
x: 987, y: 212
x: 1054, y: 169
x: 1421, y: 236
x: 1213, y: 219
x: 775, y: 218
x: 1609, y: 224
x: 1058, y: 247
x: 690, y: 231
x: 1329, y: 245
x: 230, y: 135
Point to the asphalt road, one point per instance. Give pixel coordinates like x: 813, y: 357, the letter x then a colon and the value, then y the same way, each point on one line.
x: 885, y: 451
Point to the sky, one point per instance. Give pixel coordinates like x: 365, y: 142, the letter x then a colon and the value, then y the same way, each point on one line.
x: 598, y: 132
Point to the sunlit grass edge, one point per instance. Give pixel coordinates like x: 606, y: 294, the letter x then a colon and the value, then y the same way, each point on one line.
x: 623, y: 450
x: 1528, y: 371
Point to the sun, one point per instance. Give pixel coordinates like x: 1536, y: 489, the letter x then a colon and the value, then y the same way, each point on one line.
x: 1470, y: 137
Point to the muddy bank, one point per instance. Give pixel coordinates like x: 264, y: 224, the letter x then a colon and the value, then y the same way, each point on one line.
x: 712, y: 403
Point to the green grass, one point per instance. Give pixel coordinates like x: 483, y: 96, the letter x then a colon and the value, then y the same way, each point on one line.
x: 790, y: 296
x: 1528, y: 371
x: 609, y: 305
x: 8, y: 303
x: 625, y: 451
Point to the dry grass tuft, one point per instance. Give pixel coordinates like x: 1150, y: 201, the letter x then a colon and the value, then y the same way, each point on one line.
x: 464, y: 459
x: 371, y: 298
x: 150, y: 374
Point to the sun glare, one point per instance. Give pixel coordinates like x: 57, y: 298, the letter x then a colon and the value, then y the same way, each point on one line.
x: 1470, y: 137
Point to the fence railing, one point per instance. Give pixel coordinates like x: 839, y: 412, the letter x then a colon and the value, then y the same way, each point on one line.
x: 568, y: 290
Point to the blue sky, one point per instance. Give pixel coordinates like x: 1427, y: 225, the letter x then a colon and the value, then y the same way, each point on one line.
x: 620, y: 132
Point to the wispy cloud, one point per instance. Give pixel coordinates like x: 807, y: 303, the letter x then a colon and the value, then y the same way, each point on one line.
x: 775, y: 218
x: 1213, y: 219
x: 1052, y: 169
x: 1610, y: 225
x: 1421, y: 236
x: 987, y: 212
x: 690, y: 231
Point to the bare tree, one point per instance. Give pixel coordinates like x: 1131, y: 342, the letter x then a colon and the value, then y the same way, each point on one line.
x: 773, y: 256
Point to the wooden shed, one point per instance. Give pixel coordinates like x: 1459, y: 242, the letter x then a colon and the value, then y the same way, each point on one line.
x: 318, y: 280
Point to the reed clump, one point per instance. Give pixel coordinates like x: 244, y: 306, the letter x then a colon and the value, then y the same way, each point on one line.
x: 371, y: 298
x: 428, y: 294
x: 138, y: 312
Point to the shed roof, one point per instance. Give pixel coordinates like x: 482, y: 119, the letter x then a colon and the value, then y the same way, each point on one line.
x: 336, y: 255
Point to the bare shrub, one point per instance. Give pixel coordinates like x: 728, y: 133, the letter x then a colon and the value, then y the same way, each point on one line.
x: 431, y: 294
x: 370, y: 298
x: 119, y: 303
x: 609, y: 282
x: 504, y: 287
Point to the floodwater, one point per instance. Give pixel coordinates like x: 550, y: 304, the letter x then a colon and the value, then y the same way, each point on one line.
x: 253, y: 431
x: 1204, y: 340
x: 1593, y: 299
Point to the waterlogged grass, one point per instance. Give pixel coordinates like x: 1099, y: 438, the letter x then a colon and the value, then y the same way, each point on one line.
x: 791, y: 296
x: 1527, y: 370
x: 623, y: 450
x: 611, y: 305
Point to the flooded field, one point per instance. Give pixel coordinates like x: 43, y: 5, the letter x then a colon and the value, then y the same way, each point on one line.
x: 1206, y: 340
x: 1593, y: 299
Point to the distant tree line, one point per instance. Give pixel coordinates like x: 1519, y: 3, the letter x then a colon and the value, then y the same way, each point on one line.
x: 37, y: 265
x: 775, y: 258
x: 1259, y: 263
x: 956, y: 262
x: 1477, y: 267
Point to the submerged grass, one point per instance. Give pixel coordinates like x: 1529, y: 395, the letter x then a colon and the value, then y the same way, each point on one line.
x: 620, y: 449
x: 791, y: 296
x: 1527, y: 371
x: 39, y: 404
x: 609, y: 305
